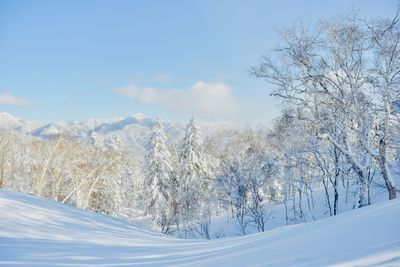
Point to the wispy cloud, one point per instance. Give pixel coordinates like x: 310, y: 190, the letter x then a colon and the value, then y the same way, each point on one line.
x: 160, y: 78
x: 200, y: 99
x: 152, y: 78
x: 9, y: 99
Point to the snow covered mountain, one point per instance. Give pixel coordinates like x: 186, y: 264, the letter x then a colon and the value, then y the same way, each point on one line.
x: 40, y: 232
x: 10, y: 122
x: 130, y: 132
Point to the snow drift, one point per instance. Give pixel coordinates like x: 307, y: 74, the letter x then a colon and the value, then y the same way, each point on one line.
x: 39, y: 232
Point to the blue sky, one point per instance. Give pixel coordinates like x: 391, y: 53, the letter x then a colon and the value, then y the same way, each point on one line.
x: 74, y: 60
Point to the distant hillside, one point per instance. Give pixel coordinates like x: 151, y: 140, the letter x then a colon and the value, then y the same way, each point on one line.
x: 132, y: 132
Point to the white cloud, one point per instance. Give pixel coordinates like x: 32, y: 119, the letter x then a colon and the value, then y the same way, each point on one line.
x: 201, y: 98
x: 9, y: 99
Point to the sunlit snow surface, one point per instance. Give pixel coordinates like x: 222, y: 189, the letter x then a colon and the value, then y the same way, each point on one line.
x: 39, y: 232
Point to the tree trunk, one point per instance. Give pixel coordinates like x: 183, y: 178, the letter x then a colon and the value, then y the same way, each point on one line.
x: 328, y: 202
x: 335, y: 183
x: 385, y: 171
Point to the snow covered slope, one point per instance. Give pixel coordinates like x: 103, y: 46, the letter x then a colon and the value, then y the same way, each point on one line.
x: 39, y: 232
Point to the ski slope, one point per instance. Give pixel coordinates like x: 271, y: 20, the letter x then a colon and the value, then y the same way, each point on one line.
x: 39, y: 232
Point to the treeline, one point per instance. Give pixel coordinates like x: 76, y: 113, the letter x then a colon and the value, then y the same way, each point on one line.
x: 102, y: 179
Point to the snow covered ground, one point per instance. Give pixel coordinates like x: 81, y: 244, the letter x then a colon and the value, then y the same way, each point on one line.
x: 39, y: 232
x: 226, y: 225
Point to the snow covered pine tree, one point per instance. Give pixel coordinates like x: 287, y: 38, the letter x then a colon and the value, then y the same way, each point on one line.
x: 158, y: 177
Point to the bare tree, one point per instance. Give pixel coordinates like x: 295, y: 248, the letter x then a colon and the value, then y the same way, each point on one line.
x: 326, y: 72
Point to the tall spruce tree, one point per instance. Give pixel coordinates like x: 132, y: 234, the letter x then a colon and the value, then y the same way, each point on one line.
x: 158, y: 176
x: 195, y: 176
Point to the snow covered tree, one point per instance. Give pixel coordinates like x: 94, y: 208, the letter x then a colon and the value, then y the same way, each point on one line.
x: 327, y: 71
x: 385, y: 79
x: 246, y: 181
x: 6, y: 155
x: 158, y: 177
x: 93, y: 176
x: 195, y: 176
x: 94, y: 139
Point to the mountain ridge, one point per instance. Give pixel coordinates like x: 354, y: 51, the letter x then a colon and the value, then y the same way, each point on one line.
x: 132, y: 131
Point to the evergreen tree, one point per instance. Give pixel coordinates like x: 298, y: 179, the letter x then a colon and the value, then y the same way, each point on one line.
x: 195, y: 176
x: 158, y: 176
